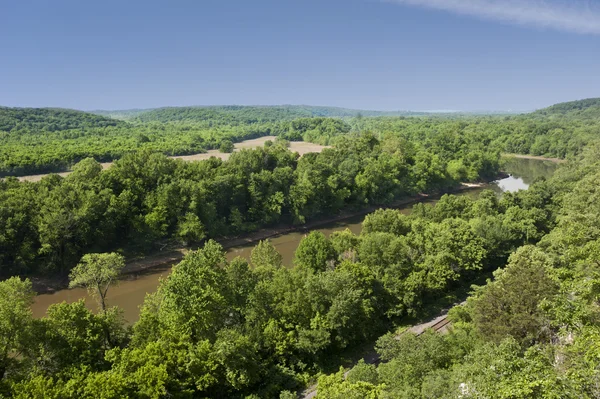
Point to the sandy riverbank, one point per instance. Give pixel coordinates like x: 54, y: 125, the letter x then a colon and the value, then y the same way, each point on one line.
x: 301, y: 147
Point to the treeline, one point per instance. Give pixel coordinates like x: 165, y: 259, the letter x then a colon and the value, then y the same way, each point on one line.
x: 49, y: 140
x: 245, y: 114
x: 36, y: 120
x: 581, y: 109
x: 223, y: 115
x: 146, y: 198
x: 256, y: 329
x: 532, y: 332
x: 57, y: 151
x: 562, y: 137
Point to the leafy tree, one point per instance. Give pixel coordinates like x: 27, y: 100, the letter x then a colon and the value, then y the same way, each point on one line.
x: 345, y: 244
x: 190, y: 228
x: 16, y: 297
x: 410, y: 359
x: 97, y: 272
x: 386, y: 221
x: 509, y: 306
x: 265, y: 255
x: 196, y: 299
x: 226, y: 146
x: 237, y: 355
x: 335, y: 387
x: 242, y: 281
x: 76, y: 337
x: 218, y: 328
x: 363, y: 372
x: 314, y: 252
x: 86, y: 170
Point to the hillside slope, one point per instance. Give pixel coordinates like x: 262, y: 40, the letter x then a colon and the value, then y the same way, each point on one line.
x: 235, y: 114
x: 582, y: 109
x: 50, y: 119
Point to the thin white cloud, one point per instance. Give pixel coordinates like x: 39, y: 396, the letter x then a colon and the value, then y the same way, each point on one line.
x: 568, y: 15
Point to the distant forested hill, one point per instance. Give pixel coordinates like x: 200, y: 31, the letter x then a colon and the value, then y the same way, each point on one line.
x: 36, y: 140
x: 235, y: 114
x: 583, y: 109
x: 50, y: 119
x: 123, y: 114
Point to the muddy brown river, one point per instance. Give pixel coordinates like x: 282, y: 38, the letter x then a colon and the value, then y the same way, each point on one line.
x: 130, y: 292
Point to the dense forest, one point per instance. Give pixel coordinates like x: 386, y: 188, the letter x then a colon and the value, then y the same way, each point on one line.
x: 35, y: 120
x: 51, y: 140
x: 245, y: 113
x: 146, y: 198
x: 582, y: 109
x: 530, y: 332
x: 255, y: 329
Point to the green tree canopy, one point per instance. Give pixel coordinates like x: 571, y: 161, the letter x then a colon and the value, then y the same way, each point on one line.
x: 314, y: 252
x: 97, y: 272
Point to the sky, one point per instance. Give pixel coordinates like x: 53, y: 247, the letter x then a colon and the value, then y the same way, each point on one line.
x: 366, y: 54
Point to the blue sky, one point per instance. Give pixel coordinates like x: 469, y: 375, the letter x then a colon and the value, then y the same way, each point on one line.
x: 369, y: 54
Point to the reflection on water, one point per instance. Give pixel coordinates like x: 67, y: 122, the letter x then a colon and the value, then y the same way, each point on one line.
x: 130, y: 292
x: 523, y: 173
x: 529, y: 170
x: 512, y: 184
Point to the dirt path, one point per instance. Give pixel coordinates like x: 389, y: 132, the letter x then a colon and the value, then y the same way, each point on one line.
x: 300, y: 147
x: 538, y: 158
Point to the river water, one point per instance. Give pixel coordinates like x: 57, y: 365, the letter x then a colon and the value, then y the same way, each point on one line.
x: 130, y: 292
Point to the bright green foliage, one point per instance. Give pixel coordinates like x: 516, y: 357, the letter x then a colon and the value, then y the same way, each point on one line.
x: 410, y: 359
x: 241, y: 280
x: 237, y: 355
x: 264, y: 255
x: 146, y: 200
x: 363, y: 372
x: 386, y: 221
x: 315, y: 252
x: 531, y: 332
x: 195, y: 297
x: 16, y: 298
x: 226, y: 146
x: 335, y: 387
x: 225, y: 329
x: 345, y: 244
x: 190, y: 228
x: 509, y: 306
x: 83, y: 384
x: 39, y: 140
x: 218, y: 328
x: 97, y: 272
x: 73, y: 336
x: 164, y: 368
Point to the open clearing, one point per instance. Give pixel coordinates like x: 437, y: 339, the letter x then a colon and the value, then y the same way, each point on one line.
x: 300, y: 147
